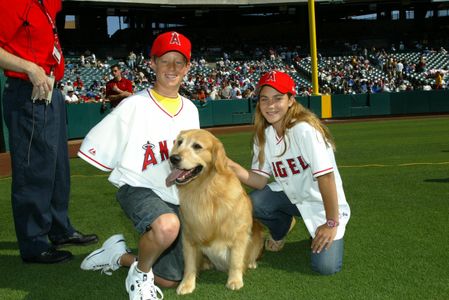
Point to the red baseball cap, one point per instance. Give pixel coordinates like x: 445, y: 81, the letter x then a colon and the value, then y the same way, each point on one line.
x: 280, y: 81
x: 171, y: 41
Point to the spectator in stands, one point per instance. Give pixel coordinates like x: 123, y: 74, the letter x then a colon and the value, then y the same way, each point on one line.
x: 93, y: 59
x: 95, y: 85
x: 90, y: 97
x: 438, y: 80
x: 213, y: 95
x: 140, y: 59
x: 376, y: 87
x: 235, y: 91
x: 421, y: 67
x: 226, y: 90
x: 248, y: 93
x: 393, y: 48
x: 100, y: 64
x: 71, y: 98
x: 304, y: 92
x: 399, y: 69
x: 67, y: 86
x: 402, y: 87
x: 201, y: 96
x: 70, y: 66
x: 78, y: 84
x: 326, y: 89
x: 61, y: 86
x: 238, y: 95
x: 35, y: 115
x: 426, y: 87
x: 132, y: 60
x: 386, y: 88
x: 119, y: 87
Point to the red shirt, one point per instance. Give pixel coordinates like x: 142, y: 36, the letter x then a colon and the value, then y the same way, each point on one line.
x: 78, y: 83
x: 123, y: 84
x: 27, y: 32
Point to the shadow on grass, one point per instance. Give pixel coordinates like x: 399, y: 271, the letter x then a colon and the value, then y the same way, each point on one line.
x: 438, y: 180
x: 9, y: 246
x: 294, y: 258
x: 57, y: 281
x: 67, y: 281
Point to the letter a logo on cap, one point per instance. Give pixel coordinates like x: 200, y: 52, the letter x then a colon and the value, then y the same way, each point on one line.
x: 175, y: 39
x: 272, y: 76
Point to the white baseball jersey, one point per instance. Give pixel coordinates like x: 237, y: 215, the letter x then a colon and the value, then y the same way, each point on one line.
x: 134, y: 142
x: 295, y: 172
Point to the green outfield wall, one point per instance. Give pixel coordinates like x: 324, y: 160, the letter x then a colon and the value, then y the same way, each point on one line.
x: 383, y: 104
x: 82, y: 117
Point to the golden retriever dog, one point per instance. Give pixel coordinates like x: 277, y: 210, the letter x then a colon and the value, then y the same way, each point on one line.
x: 217, y: 224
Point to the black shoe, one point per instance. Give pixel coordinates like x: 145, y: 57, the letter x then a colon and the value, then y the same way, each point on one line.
x: 77, y: 238
x: 51, y: 256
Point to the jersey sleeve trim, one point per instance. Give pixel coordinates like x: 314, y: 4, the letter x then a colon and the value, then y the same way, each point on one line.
x: 93, y: 162
x: 322, y: 172
x: 260, y: 172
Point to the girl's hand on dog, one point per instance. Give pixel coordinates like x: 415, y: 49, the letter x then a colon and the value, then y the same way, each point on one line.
x: 324, y: 237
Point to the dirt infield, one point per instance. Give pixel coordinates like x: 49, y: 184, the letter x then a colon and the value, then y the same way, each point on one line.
x: 5, y: 161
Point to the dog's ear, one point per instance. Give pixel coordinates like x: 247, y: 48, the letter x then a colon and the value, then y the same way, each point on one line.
x: 219, y: 156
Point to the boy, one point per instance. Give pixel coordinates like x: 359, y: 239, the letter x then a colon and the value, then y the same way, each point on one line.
x: 133, y: 142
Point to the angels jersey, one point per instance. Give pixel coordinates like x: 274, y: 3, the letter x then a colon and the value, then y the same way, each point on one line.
x: 134, y: 142
x: 306, y: 158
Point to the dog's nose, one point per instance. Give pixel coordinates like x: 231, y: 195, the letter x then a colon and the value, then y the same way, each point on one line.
x: 175, y: 159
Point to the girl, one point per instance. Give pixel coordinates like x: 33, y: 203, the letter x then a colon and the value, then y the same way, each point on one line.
x: 293, y: 146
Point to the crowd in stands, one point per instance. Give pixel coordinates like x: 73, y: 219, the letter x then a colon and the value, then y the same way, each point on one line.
x: 375, y: 71
x: 234, y: 76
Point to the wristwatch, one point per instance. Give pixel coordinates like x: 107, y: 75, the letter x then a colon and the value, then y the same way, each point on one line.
x: 331, y: 223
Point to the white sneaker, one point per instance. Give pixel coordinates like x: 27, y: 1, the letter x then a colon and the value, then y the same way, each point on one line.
x: 140, y: 285
x: 107, y: 257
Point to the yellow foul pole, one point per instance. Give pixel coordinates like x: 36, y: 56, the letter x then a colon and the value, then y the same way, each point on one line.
x: 313, y: 50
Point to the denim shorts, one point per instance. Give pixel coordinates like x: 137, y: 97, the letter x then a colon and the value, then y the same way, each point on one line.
x: 143, y: 206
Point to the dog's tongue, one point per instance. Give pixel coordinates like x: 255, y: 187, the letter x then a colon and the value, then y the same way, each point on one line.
x: 175, y: 173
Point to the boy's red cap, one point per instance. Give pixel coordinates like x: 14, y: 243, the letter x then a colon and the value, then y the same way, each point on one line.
x: 279, y: 81
x: 171, y: 41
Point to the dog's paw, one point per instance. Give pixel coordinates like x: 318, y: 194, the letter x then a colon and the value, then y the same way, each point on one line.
x: 234, y: 284
x: 252, y: 265
x: 185, y: 288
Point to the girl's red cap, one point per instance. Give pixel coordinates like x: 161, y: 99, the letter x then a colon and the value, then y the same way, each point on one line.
x: 280, y: 81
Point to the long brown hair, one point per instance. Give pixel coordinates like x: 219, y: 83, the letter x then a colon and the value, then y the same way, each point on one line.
x: 295, y: 114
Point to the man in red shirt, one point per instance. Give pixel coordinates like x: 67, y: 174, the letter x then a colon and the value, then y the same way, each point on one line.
x: 78, y: 84
x: 118, y: 88
x: 35, y: 115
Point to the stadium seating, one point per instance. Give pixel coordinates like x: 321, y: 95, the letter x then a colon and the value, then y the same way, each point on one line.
x: 334, y: 72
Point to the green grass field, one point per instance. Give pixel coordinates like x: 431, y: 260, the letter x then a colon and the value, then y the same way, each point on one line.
x: 396, y: 178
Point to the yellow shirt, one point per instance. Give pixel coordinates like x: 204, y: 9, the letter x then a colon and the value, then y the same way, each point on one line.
x: 171, y: 105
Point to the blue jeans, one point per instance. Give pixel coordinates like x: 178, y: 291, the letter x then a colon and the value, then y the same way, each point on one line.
x: 275, y: 211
